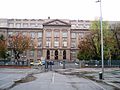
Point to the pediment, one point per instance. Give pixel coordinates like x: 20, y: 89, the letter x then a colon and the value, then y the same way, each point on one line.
x: 56, y: 23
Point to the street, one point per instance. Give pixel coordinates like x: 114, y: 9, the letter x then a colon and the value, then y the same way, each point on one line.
x: 61, y: 79
x: 55, y: 81
x: 8, y: 76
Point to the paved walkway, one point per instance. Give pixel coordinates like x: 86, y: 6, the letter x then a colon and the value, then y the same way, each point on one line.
x: 111, y: 75
x: 55, y: 81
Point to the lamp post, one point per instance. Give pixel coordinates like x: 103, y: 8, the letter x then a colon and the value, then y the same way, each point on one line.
x: 101, y: 31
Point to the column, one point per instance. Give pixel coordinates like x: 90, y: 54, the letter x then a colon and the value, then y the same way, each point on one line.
x: 60, y: 45
x: 69, y: 39
x: 52, y: 39
x: 44, y: 39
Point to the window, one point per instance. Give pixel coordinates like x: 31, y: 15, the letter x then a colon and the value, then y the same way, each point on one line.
x: 73, y: 35
x: 81, y: 34
x: 32, y: 34
x: 48, y: 34
x: 56, y: 43
x: 24, y: 33
x: 56, y: 34
x: 31, y: 53
x: 73, y: 45
x: 56, y: 39
x: 64, y: 44
x: 32, y: 24
x: 10, y: 34
x: 73, y: 55
x: 48, y: 39
x: 18, y: 25
x: 25, y: 25
x: 10, y: 53
x: 11, y: 25
x: 39, y: 34
x: 39, y: 44
x: 64, y: 39
x: 48, y: 44
x: 64, y: 34
x: 39, y: 53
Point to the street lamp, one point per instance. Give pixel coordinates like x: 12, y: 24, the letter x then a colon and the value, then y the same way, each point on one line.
x: 102, y: 57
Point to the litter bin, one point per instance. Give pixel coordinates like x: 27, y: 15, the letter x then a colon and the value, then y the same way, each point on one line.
x: 63, y: 64
x: 100, y: 75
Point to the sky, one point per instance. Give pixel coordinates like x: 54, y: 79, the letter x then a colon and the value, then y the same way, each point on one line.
x: 59, y: 9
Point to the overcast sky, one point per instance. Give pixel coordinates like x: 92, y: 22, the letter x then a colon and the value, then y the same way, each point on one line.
x: 59, y: 9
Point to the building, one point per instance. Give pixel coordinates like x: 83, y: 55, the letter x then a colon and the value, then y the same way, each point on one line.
x: 56, y: 39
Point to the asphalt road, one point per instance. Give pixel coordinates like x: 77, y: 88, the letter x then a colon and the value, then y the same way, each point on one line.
x: 55, y: 81
x: 8, y: 76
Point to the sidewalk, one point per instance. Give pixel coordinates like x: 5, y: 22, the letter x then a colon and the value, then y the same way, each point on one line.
x: 9, y: 76
x: 111, y: 75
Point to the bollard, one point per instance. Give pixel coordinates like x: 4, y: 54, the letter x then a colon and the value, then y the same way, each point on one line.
x: 100, y: 75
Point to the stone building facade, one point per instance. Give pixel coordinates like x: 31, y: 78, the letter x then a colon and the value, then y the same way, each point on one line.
x: 56, y: 39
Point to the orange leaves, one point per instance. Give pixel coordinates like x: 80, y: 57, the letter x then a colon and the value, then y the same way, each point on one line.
x: 20, y: 42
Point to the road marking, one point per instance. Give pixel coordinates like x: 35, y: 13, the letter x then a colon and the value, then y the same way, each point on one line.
x: 53, y: 78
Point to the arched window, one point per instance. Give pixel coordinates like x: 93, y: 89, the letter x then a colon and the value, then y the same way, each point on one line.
x: 56, y: 54
x: 48, y: 54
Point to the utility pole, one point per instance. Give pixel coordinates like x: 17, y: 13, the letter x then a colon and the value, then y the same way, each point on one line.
x: 101, y: 30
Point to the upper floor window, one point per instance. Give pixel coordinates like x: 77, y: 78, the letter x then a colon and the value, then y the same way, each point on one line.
x: 32, y: 34
x: 32, y: 24
x: 39, y: 44
x: 24, y: 33
x: 10, y: 34
x: 48, y: 43
x: 39, y: 34
x: 73, y: 35
x: 64, y: 34
x: 81, y: 35
x: 56, y: 39
x: 64, y: 39
x: 18, y: 25
x: 73, y: 45
x: 48, y: 39
x: 56, y: 34
x: 25, y: 25
x: 11, y: 24
x: 56, y: 43
x: 64, y: 44
x: 31, y: 53
x: 39, y: 53
x: 48, y: 34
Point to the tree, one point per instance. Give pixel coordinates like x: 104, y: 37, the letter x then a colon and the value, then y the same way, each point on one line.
x: 108, y: 39
x: 3, y: 47
x: 115, y: 28
x: 85, y: 49
x: 19, y: 43
x: 94, y: 41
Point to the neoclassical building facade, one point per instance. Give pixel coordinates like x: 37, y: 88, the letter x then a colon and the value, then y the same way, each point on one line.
x: 55, y: 39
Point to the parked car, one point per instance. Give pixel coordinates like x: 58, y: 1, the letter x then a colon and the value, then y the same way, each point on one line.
x: 43, y: 62
x: 36, y: 63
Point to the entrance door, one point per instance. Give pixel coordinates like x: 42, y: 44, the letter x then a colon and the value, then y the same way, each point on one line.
x: 56, y: 54
x: 64, y: 54
x: 48, y: 54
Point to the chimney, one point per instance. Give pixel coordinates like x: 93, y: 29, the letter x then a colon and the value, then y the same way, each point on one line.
x: 48, y: 17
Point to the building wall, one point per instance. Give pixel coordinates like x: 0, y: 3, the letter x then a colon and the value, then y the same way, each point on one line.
x: 64, y: 41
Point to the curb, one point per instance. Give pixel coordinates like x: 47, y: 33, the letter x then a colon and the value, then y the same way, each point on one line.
x: 7, y: 85
x: 112, y: 84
